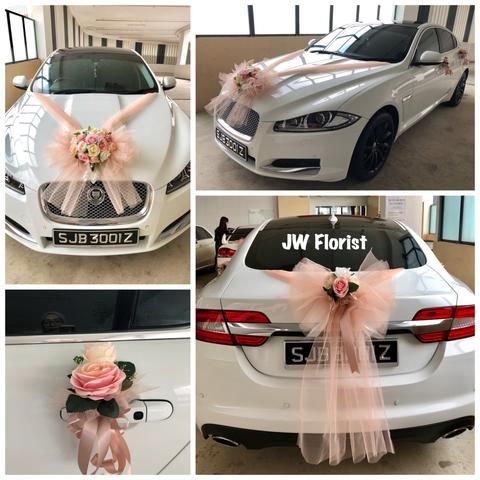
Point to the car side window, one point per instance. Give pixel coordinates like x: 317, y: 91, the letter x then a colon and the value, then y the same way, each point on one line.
x: 428, y: 42
x: 446, y: 40
x: 202, y: 234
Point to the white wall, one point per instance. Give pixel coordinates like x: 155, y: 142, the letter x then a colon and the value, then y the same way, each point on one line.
x: 412, y: 215
x: 210, y: 209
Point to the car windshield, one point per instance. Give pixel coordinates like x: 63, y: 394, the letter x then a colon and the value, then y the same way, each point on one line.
x: 69, y: 72
x: 385, y: 43
x: 239, y: 233
x: 390, y: 243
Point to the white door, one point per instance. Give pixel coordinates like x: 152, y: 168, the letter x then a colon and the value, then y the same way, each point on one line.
x: 47, y: 329
x: 205, y: 248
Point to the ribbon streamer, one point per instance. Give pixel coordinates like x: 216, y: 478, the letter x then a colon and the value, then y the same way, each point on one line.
x: 77, y: 174
x: 340, y: 396
x: 266, y: 78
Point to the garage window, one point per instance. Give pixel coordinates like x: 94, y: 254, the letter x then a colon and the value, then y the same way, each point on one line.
x: 457, y: 219
x: 22, y: 39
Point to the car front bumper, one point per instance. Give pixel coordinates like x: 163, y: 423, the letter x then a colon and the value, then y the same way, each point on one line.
x: 167, y: 218
x: 332, y: 151
x: 441, y: 391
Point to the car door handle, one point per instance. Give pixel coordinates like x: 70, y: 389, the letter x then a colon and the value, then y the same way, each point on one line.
x: 141, y: 411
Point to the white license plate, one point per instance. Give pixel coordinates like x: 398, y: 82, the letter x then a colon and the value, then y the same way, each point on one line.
x: 229, y: 142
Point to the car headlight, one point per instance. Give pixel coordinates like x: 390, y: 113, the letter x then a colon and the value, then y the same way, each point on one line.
x: 180, y: 180
x: 12, y: 183
x: 317, y: 122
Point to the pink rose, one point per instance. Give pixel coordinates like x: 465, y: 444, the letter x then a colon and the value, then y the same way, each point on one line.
x: 80, y: 137
x: 91, y: 138
x: 97, y: 380
x: 83, y: 157
x: 340, y: 287
x: 103, y: 145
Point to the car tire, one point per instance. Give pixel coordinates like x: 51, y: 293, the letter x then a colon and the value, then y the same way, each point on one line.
x: 373, y: 147
x: 457, y: 94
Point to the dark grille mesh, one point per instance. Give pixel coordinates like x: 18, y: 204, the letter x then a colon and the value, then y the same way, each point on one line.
x: 251, y: 123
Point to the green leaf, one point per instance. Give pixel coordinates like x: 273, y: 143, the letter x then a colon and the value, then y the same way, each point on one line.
x: 80, y: 404
x: 78, y: 359
x: 352, y: 287
x: 126, y: 384
x: 109, y: 408
x: 128, y: 368
x: 69, y: 375
x: 71, y: 390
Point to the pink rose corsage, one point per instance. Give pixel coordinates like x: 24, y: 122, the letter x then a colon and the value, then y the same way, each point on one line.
x: 341, y: 285
x: 248, y: 80
x: 93, y: 146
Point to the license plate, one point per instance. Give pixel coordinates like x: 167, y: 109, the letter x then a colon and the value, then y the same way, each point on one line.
x: 81, y: 238
x: 296, y: 353
x: 231, y: 144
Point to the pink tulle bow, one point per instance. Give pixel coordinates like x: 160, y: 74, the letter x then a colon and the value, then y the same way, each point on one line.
x: 75, y: 175
x: 340, y: 396
x: 248, y: 81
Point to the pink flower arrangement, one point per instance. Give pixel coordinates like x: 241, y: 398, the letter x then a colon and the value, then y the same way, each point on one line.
x: 93, y: 146
x: 341, y: 285
x: 248, y: 80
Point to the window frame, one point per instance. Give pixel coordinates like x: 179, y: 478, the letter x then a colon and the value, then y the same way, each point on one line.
x: 9, y: 29
x: 460, y: 229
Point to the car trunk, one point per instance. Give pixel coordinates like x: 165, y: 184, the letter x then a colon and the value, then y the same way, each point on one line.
x: 415, y: 290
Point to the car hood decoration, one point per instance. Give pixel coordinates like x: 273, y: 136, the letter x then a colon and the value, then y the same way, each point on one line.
x: 30, y: 129
x: 249, y: 81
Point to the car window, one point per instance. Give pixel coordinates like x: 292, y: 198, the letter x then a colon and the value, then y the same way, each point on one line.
x: 394, y: 245
x: 428, y: 42
x: 68, y: 72
x: 239, y: 233
x: 446, y: 40
x: 56, y: 312
x: 389, y: 43
x: 202, y: 234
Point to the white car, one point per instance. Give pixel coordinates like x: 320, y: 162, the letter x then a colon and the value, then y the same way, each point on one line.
x: 247, y: 338
x: 326, y: 126
x: 230, y: 245
x: 46, y: 329
x: 204, y: 249
x: 91, y: 85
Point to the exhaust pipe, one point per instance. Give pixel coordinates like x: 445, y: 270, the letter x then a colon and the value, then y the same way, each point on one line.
x: 225, y: 441
x: 458, y: 430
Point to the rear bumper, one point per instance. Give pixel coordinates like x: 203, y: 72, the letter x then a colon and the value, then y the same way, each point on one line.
x: 255, y: 439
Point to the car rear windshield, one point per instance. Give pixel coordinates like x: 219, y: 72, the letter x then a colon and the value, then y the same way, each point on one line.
x: 396, y: 246
x: 94, y: 72
x: 239, y: 233
x: 386, y: 43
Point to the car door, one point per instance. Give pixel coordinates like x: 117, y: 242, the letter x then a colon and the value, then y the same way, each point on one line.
x: 46, y: 329
x: 205, y: 248
x: 430, y: 84
x: 449, y: 48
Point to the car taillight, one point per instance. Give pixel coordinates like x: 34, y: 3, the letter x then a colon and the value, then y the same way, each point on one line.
x: 462, y: 323
x: 226, y: 252
x: 212, y: 327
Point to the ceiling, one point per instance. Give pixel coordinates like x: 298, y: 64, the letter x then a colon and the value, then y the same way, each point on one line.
x: 143, y: 23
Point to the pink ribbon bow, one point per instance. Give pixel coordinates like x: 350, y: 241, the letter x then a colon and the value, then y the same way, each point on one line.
x: 77, y: 174
x: 248, y: 81
x: 341, y: 397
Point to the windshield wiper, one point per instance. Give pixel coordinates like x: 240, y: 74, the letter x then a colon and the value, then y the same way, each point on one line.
x: 72, y: 90
x: 330, y: 52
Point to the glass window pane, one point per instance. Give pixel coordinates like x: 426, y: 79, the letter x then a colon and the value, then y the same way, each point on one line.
x: 368, y: 12
x: 222, y: 19
x: 31, y: 41
x: 432, y: 224
x: 342, y: 15
x: 54, y: 312
x: 314, y: 18
x: 162, y: 309
x: 451, y: 218
x: 468, y: 220
x: 274, y: 19
x: 387, y: 13
x: 16, y: 25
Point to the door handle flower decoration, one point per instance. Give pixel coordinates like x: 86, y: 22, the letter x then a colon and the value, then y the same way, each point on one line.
x: 101, y: 387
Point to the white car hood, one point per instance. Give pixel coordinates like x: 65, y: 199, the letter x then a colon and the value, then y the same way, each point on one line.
x: 318, y: 91
x: 30, y: 128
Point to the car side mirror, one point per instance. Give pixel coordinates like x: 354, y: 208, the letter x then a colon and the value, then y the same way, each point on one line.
x: 21, y: 82
x: 430, y: 58
x: 312, y: 41
x: 168, y: 82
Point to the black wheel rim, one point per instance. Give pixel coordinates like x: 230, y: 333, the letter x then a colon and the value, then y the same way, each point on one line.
x: 460, y: 89
x: 377, y: 146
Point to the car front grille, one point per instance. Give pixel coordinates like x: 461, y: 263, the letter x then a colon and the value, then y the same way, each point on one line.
x: 249, y: 127
x: 87, y: 213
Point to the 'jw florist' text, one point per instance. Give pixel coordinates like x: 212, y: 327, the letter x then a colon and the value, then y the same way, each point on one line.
x: 324, y: 241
